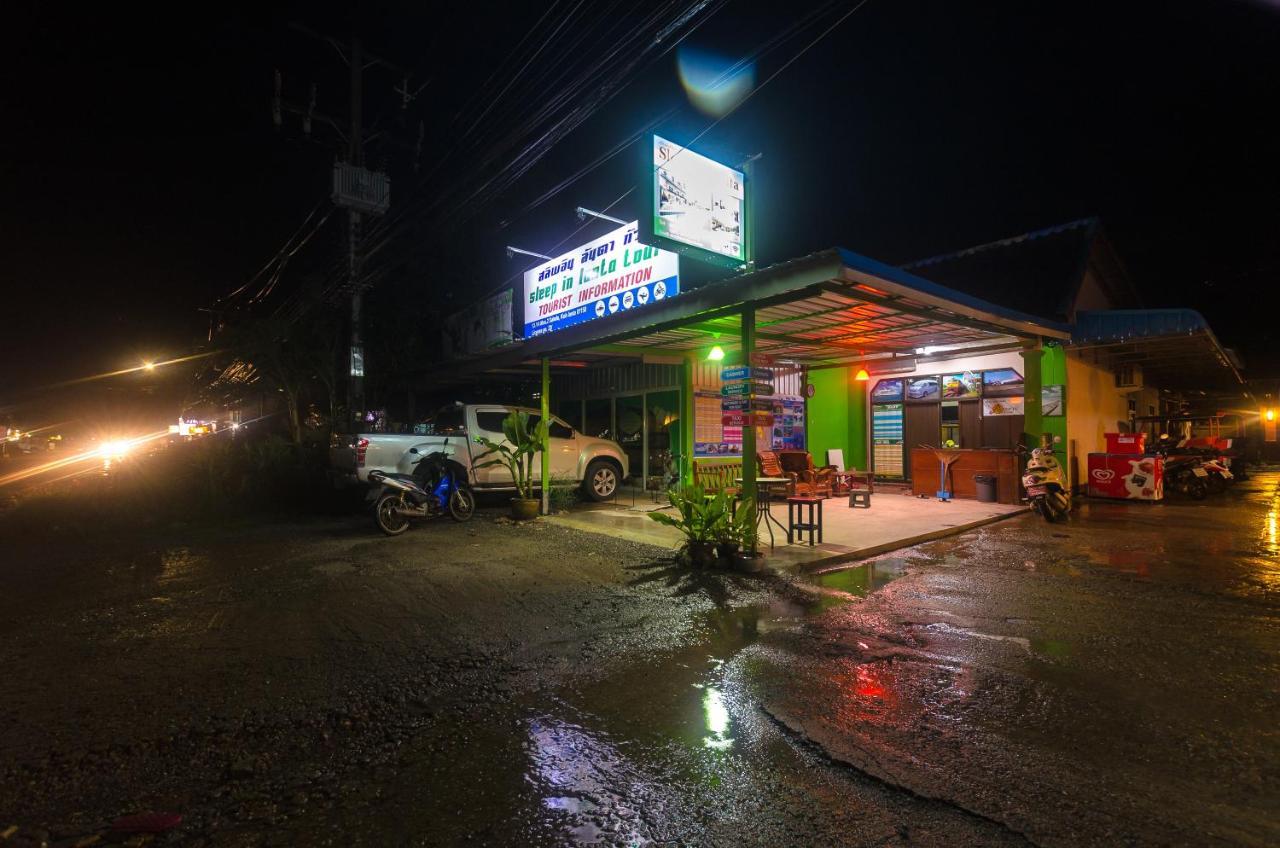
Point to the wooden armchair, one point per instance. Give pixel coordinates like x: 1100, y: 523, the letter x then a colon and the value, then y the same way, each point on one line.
x: 771, y: 466
x: 810, y: 481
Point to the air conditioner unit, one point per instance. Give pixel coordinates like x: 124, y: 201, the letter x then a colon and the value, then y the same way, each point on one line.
x: 1129, y: 378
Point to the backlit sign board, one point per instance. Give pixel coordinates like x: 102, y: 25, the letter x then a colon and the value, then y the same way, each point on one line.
x: 696, y: 205
x: 611, y: 274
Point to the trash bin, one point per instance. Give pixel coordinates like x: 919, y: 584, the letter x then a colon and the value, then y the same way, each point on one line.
x: 986, y: 485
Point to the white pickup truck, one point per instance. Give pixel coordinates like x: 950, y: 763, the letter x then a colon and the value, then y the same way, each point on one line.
x: 597, y: 465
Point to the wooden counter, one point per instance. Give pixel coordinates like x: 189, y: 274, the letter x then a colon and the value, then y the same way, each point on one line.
x: 1003, y: 464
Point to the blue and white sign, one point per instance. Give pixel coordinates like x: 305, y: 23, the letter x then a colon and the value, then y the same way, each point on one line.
x: 744, y: 373
x: 615, y: 273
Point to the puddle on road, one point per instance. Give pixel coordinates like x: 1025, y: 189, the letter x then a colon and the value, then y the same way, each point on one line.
x: 863, y: 579
x: 681, y: 721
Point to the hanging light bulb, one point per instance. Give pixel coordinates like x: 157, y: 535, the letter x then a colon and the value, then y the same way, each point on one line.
x: 715, y: 354
x: 862, y: 376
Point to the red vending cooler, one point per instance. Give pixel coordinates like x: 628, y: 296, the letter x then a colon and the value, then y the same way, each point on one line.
x: 1126, y: 476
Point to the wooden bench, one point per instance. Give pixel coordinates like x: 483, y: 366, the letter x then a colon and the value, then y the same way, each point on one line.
x: 717, y: 475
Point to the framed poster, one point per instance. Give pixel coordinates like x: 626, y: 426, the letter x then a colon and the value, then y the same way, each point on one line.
x: 995, y: 407
x: 1001, y: 382
x: 886, y: 438
x: 887, y: 390
x: 959, y: 386
x: 923, y: 388
x: 1051, y: 401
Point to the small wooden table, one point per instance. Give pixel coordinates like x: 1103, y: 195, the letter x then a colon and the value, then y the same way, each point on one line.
x: 764, y: 490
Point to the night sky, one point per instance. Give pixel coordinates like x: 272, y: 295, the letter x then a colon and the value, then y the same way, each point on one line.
x: 144, y: 179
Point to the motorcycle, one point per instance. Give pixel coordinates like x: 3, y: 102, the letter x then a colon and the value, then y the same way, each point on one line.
x: 1046, y: 485
x: 437, y: 486
x: 1219, y: 474
x: 1192, y: 471
x: 1186, y: 475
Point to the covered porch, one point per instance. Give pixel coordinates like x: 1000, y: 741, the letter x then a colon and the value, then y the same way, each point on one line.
x: 827, y: 311
x: 894, y: 520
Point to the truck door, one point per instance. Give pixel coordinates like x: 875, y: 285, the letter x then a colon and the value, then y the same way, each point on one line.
x: 564, y: 451
x: 488, y: 423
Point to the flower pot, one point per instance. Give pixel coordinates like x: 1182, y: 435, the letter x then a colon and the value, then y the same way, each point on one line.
x: 748, y: 563
x: 522, y: 509
x: 727, y: 551
x: 702, y: 554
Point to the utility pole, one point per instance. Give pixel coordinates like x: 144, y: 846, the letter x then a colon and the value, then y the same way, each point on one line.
x: 359, y: 191
x: 356, y: 155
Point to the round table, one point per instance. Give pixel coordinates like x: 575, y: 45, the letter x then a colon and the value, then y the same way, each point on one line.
x: 764, y: 489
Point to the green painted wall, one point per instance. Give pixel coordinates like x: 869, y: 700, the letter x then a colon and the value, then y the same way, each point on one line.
x: 1053, y: 366
x: 856, y: 454
x: 828, y: 414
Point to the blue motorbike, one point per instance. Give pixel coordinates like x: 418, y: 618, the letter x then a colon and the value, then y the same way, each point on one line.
x: 437, y: 486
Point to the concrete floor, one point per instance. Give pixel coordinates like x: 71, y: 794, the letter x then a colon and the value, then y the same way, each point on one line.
x: 893, y: 521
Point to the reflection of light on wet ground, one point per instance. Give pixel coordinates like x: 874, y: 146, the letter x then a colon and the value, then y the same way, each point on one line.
x: 717, y: 719
x: 1271, y: 528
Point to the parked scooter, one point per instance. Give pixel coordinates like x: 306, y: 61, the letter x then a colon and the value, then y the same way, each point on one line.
x: 1046, y: 484
x: 438, y: 485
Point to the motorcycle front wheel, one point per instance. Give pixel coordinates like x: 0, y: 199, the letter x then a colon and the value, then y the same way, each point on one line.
x: 462, y: 504
x: 387, y: 516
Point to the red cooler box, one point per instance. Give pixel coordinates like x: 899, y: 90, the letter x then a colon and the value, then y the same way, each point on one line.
x: 1126, y: 442
x: 1125, y: 476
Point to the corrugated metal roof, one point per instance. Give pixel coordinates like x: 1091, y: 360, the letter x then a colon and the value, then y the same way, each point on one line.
x: 1174, y: 347
x: 1037, y: 273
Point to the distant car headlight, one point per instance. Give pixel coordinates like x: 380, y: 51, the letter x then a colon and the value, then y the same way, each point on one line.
x: 114, y: 449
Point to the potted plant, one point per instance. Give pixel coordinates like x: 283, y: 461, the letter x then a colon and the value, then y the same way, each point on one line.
x: 745, y: 527
x: 728, y: 537
x: 517, y: 453
x: 700, y: 519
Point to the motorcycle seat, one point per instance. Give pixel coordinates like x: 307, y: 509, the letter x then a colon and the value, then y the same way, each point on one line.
x: 395, y: 475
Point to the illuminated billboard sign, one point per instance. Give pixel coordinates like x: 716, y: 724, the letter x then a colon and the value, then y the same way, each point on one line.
x: 613, y: 273
x: 697, y: 205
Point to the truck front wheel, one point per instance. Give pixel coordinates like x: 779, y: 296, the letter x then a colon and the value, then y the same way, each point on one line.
x: 601, y: 481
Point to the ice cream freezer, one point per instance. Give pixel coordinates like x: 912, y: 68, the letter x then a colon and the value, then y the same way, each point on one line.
x: 1126, y: 476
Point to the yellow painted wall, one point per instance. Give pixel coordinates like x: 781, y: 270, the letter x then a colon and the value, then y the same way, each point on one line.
x: 1094, y: 406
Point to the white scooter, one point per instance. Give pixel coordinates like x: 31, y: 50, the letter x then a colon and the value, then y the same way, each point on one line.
x: 1046, y: 484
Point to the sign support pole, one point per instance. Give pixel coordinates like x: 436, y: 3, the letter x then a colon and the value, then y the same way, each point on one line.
x: 546, y: 436
x: 688, y: 416
x: 748, y: 432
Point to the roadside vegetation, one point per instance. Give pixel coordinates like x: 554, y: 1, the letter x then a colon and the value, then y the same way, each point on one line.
x: 205, y: 480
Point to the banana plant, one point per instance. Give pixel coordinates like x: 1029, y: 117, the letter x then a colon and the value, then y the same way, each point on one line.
x: 517, y: 452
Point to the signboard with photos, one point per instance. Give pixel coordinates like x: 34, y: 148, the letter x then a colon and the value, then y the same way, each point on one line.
x: 696, y: 204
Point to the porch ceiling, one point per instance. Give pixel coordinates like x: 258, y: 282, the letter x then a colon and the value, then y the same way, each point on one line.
x: 827, y: 308
x: 838, y: 324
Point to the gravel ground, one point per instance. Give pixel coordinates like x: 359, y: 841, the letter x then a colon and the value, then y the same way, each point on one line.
x: 1111, y: 680
x: 489, y: 683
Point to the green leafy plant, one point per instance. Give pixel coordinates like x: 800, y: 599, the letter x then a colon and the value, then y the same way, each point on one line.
x: 701, y: 519
x: 517, y: 452
x: 743, y: 524
x: 563, y: 493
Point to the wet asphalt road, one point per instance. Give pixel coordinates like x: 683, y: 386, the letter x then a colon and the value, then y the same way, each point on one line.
x: 1107, y: 681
